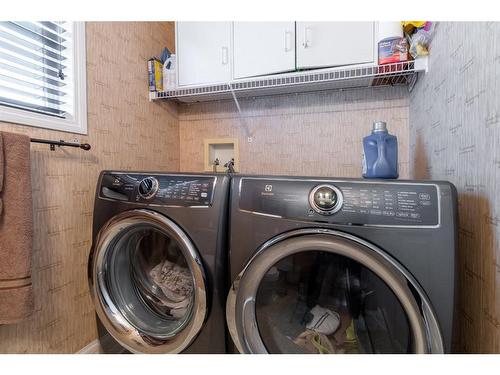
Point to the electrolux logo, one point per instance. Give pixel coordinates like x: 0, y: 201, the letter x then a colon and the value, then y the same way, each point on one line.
x: 268, y: 190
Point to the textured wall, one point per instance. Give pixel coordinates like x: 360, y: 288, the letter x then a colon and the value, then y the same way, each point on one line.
x: 300, y: 134
x: 455, y: 136
x: 126, y: 132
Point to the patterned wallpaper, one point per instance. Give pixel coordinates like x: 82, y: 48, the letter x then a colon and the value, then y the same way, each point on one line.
x: 300, y: 134
x: 126, y: 132
x: 455, y: 136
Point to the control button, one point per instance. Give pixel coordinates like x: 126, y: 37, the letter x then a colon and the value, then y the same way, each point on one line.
x: 415, y: 215
x: 402, y: 214
x: 425, y: 203
x: 326, y: 199
x: 148, y: 187
x: 424, y: 196
x: 388, y: 213
x: 204, y: 195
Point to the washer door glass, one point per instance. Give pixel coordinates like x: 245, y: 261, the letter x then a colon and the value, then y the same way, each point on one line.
x: 148, y: 283
x: 318, y: 302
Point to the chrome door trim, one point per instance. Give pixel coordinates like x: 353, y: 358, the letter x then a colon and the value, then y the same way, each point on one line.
x: 240, y: 306
x: 367, y: 181
x: 116, y: 324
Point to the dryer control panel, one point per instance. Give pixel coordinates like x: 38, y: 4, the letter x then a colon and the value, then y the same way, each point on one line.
x: 158, y: 189
x: 343, y: 202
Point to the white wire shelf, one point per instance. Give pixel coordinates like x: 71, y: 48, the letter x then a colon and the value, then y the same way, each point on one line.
x: 404, y: 73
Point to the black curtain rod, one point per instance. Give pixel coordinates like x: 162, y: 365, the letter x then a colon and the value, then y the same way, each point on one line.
x: 53, y: 144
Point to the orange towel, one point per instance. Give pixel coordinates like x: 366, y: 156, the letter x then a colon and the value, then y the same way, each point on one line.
x: 16, y: 229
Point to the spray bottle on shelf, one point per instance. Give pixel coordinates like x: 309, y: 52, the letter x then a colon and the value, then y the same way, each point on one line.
x: 169, y: 67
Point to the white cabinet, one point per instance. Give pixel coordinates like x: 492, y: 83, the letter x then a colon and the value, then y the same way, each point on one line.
x: 262, y: 48
x: 219, y: 52
x: 327, y: 44
x: 203, y: 52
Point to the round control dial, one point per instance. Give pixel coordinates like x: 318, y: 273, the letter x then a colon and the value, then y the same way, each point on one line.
x: 148, y: 187
x: 326, y: 199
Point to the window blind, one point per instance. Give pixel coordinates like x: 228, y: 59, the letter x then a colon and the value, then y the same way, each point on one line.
x: 36, y: 67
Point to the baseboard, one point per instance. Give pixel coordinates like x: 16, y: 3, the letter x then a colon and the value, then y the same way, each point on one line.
x: 97, y: 346
x: 94, y: 347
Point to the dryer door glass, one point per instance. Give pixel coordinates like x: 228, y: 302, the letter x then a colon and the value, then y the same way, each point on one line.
x: 328, y: 292
x: 148, y: 283
x: 318, y: 302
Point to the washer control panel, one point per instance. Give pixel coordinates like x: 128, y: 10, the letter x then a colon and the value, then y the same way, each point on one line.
x: 171, y: 190
x: 343, y: 202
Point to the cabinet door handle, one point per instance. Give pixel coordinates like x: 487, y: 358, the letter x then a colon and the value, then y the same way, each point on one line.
x: 288, y: 41
x: 307, y: 37
x: 224, y: 55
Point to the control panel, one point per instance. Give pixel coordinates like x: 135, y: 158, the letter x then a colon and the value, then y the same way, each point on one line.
x: 343, y: 202
x: 174, y: 190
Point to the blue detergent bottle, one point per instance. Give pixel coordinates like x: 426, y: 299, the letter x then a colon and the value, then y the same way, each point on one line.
x: 380, y: 153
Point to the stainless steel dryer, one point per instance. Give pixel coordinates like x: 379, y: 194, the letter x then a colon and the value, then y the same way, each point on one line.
x: 324, y: 265
x: 157, y: 265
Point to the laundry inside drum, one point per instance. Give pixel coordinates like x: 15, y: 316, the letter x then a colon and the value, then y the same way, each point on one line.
x: 151, y: 282
x: 319, y: 302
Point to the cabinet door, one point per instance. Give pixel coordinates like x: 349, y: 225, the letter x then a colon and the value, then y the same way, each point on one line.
x: 325, y: 44
x: 262, y: 48
x: 203, y: 52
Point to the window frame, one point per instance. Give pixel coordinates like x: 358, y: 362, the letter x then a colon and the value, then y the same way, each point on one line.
x: 77, y: 123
